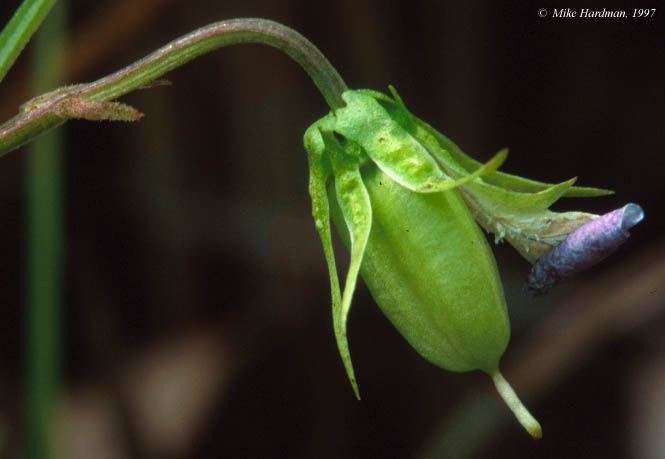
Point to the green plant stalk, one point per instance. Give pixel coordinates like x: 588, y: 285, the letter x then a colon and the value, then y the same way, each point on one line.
x: 45, y: 241
x: 45, y: 112
x: 19, y: 29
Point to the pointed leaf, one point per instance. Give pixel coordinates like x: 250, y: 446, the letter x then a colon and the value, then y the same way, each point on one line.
x: 356, y: 208
x: 497, y: 178
x: 486, y: 168
x: 518, y: 203
x: 458, y: 161
x: 319, y: 171
x: 393, y: 149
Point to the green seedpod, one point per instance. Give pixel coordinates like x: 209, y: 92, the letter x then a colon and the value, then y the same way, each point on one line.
x: 432, y: 273
x: 407, y: 202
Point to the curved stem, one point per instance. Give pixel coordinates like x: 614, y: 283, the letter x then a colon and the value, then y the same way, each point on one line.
x: 41, y: 113
x: 218, y: 35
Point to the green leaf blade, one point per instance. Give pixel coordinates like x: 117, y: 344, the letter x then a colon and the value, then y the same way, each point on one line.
x: 387, y: 144
x: 19, y: 30
x: 356, y: 208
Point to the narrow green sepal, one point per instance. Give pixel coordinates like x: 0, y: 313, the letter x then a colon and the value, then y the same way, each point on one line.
x: 320, y: 170
x: 517, y: 202
x: 356, y: 208
x: 487, y: 168
x: 387, y: 144
x: 586, y: 192
x: 459, y: 161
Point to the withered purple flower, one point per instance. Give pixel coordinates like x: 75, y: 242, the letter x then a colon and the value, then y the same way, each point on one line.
x: 584, y: 247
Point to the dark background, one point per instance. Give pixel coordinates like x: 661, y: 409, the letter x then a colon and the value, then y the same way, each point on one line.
x: 197, y: 318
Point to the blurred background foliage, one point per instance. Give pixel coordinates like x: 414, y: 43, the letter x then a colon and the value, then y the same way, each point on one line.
x: 196, y: 306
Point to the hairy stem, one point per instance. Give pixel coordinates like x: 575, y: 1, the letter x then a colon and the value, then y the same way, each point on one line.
x: 42, y: 113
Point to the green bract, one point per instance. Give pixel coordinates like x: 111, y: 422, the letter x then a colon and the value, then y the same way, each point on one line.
x: 404, y: 198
